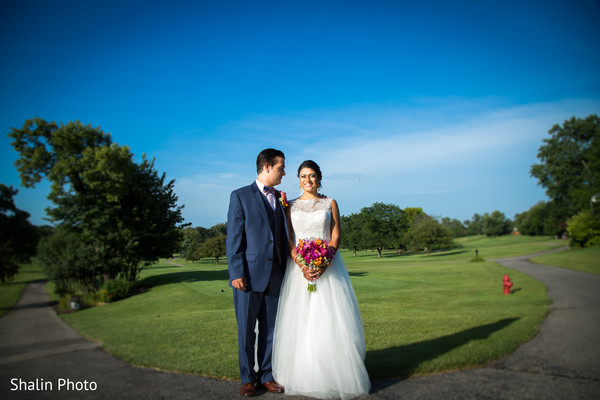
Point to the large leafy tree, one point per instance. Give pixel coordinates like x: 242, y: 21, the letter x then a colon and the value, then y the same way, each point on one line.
x: 428, y: 234
x: 218, y: 229
x: 496, y: 224
x: 124, y: 210
x: 70, y: 263
x: 382, y: 226
x: 188, y: 236
x: 351, y: 232
x: 538, y: 220
x: 18, y: 238
x: 454, y: 227
x: 194, y: 245
x: 569, y: 167
x: 474, y: 225
x: 412, y: 213
x: 213, y: 247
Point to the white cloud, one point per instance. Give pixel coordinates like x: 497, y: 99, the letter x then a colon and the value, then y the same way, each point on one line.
x: 454, y: 157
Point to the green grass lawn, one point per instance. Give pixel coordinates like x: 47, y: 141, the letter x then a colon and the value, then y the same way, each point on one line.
x: 184, y: 322
x: 11, y: 292
x: 429, y: 318
x: 488, y: 248
x: 585, y: 260
x: 421, y: 314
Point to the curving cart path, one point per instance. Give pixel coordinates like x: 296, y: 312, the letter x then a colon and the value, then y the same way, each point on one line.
x: 561, y: 362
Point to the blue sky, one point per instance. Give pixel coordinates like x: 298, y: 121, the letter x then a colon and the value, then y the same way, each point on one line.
x: 440, y: 105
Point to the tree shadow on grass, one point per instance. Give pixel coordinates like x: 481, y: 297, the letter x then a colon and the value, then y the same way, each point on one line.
x: 372, y: 254
x: 449, y: 253
x: 389, y: 254
x: 165, y: 267
x: 400, y: 362
x: 184, y: 276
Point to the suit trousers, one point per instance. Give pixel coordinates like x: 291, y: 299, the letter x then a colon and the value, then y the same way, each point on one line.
x: 249, y: 308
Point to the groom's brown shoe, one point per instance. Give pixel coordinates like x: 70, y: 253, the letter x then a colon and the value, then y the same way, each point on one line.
x: 274, y: 387
x: 248, y: 390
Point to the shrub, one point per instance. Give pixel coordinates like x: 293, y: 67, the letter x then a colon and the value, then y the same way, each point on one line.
x: 64, y: 302
x: 115, y: 289
x: 428, y: 234
x: 584, y: 229
x: 72, y: 264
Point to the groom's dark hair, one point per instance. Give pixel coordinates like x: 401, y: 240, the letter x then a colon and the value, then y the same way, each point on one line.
x: 267, y: 156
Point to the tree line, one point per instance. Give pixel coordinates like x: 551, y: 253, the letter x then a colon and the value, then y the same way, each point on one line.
x: 112, y: 216
x: 199, y: 243
x: 377, y: 227
x: 387, y: 226
x: 18, y: 237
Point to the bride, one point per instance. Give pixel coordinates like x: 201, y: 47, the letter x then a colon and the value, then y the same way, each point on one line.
x: 319, y: 340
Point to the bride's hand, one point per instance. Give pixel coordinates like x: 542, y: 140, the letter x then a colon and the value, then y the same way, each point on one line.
x: 313, y: 274
x: 298, y: 263
x: 308, y: 273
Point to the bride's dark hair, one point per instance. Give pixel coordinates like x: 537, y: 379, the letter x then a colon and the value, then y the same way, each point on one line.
x: 312, y: 165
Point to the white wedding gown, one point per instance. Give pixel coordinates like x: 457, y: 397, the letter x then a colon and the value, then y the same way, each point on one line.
x: 319, y: 342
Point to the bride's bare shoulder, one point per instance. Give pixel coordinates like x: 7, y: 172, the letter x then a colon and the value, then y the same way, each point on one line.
x: 325, y: 197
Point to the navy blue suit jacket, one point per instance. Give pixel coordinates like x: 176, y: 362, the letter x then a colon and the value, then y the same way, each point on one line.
x: 251, y: 240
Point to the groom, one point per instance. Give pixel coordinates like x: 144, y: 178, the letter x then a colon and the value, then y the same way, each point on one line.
x: 257, y: 250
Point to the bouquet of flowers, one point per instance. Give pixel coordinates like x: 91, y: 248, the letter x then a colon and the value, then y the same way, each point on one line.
x: 314, y: 253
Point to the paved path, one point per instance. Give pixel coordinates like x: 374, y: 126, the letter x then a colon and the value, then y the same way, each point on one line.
x: 562, y: 362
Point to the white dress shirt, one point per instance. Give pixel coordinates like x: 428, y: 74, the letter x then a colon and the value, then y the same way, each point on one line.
x: 270, y: 196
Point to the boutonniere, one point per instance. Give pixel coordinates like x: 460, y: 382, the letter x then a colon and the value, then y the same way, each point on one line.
x: 283, y: 199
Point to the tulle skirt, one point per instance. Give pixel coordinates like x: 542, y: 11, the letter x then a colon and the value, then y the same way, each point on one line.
x: 319, y: 342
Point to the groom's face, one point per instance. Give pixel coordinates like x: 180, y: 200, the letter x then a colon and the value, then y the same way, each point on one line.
x: 275, y: 173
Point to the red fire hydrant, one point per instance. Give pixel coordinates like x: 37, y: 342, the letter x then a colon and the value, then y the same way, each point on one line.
x: 507, y: 284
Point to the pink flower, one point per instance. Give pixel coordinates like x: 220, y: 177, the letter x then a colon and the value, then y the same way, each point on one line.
x: 314, y: 254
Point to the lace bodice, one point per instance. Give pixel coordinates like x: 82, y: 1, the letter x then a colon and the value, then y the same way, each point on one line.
x: 311, y: 218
